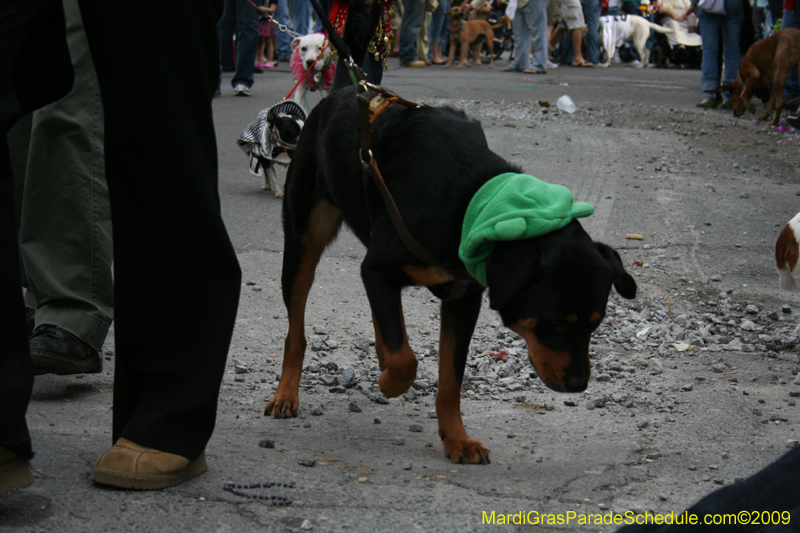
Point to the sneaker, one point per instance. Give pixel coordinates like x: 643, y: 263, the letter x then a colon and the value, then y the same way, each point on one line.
x: 417, y: 64
x: 56, y: 351
x: 708, y: 103
x: 793, y: 121
x: 727, y: 103
x: 551, y: 65
x: 15, y: 472
x: 241, y: 90
x: 130, y: 466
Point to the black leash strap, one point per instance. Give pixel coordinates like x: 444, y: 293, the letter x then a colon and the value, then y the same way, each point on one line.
x: 369, y: 169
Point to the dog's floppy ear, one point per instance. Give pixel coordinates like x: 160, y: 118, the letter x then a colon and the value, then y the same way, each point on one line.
x: 623, y: 282
x: 508, y: 270
x: 296, y: 43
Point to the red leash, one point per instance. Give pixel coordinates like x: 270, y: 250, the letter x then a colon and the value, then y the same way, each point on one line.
x: 321, y: 53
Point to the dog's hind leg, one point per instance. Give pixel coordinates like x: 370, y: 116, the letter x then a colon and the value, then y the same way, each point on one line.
x: 272, y: 179
x: 770, y: 104
x: 458, y: 323
x: 777, y: 96
x: 302, y: 251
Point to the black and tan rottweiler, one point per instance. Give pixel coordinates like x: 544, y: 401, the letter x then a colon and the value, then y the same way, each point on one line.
x: 550, y: 289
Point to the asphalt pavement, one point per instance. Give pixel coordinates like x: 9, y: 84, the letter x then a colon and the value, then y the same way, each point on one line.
x: 707, y: 193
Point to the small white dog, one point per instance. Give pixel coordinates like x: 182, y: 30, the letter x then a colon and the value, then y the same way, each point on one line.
x: 311, y: 61
x: 615, y: 30
x: 787, y: 253
x: 272, y: 139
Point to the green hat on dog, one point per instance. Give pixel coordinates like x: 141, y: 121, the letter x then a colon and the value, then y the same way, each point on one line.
x: 512, y: 207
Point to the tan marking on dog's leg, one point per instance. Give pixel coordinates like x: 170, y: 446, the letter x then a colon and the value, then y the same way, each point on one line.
x: 427, y: 276
x: 457, y: 444
x: 323, y: 227
x: 400, y: 367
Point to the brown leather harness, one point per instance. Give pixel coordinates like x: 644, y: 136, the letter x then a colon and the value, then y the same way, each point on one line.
x: 369, y: 111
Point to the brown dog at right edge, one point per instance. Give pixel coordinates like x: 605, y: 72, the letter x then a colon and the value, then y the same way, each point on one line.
x: 470, y: 34
x: 768, y: 62
x: 551, y: 289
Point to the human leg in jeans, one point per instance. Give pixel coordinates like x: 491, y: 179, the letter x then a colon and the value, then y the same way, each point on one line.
x: 413, y: 14
x: 301, y: 15
x: 246, y: 46
x: 439, y: 32
x: 731, y: 34
x: 283, y: 39
x: 540, y: 52
x: 591, y: 15
x: 709, y: 25
x: 523, y: 26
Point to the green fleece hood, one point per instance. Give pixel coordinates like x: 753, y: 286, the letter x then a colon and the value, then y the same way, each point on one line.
x: 512, y: 207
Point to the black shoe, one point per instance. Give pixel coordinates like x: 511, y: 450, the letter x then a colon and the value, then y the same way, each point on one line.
x: 55, y: 351
x: 793, y: 121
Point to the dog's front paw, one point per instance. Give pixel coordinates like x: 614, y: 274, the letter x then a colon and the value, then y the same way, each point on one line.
x: 466, y: 451
x: 392, y: 387
x: 279, y: 194
x: 281, y: 406
x: 266, y: 188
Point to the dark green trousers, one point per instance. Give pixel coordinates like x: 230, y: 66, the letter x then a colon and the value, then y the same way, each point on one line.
x: 65, y: 217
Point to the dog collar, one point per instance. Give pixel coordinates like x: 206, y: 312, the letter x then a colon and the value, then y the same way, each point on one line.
x: 513, y: 207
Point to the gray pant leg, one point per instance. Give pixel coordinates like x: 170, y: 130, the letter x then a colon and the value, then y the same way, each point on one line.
x: 65, y: 232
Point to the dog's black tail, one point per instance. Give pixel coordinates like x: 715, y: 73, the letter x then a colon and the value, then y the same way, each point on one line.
x: 362, y: 21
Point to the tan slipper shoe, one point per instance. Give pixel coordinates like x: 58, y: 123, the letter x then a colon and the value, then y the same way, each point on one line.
x: 15, y: 472
x: 130, y: 466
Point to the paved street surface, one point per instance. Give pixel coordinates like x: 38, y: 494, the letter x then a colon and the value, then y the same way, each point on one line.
x: 695, y: 383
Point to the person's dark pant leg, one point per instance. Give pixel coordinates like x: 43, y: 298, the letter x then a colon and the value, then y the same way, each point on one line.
x: 32, y: 32
x: 227, y: 28
x: 16, y: 371
x: 176, y: 274
x: 246, y: 43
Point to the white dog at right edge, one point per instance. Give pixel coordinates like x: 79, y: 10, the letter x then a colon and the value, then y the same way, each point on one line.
x: 615, y: 30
